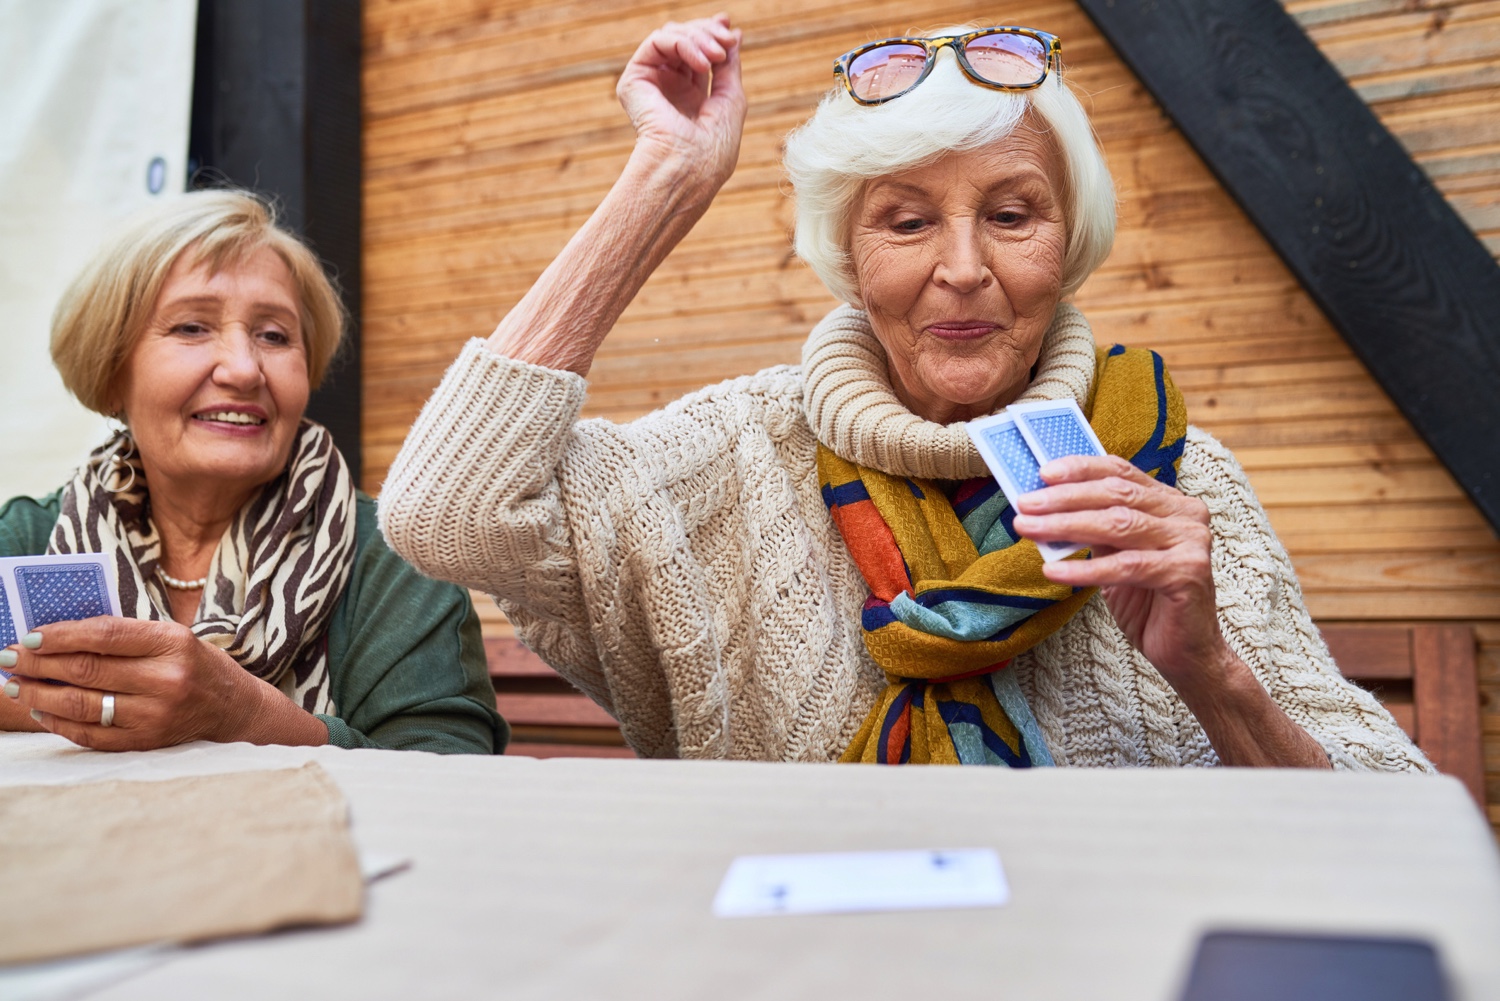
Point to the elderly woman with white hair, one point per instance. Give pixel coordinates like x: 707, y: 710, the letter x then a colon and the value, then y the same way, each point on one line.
x: 813, y: 563
x: 260, y: 602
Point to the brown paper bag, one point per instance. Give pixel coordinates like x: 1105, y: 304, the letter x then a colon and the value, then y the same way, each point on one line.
x: 112, y: 864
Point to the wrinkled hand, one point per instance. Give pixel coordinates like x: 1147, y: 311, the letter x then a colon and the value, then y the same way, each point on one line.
x: 1151, y: 559
x: 169, y: 686
x: 683, y: 93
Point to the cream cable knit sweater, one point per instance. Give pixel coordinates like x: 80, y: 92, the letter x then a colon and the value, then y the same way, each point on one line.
x: 682, y: 569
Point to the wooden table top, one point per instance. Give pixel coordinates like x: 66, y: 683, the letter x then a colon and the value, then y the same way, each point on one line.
x: 575, y: 878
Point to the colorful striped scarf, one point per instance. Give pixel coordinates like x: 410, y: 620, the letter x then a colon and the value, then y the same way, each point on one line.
x: 955, y: 595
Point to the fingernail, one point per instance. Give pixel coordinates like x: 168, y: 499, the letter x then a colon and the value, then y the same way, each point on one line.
x: 8, y: 658
x: 31, y: 641
x: 36, y: 714
x: 13, y: 689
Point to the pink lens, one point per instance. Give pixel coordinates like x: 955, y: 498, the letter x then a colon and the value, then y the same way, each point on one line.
x: 1007, y: 59
x: 886, y: 71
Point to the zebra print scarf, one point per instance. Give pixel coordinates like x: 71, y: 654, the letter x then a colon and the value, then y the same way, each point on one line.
x: 276, y: 577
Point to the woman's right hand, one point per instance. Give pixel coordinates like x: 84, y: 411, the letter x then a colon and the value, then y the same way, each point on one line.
x: 169, y: 686
x: 683, y: 93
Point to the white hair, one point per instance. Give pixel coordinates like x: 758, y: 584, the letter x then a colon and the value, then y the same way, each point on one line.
x: 831, y: 156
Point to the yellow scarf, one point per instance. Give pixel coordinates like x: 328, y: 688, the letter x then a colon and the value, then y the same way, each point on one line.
x: 955, y: 594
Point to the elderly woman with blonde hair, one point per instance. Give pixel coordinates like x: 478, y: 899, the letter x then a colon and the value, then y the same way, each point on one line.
x: 260, y: 601
x: 813, y: 563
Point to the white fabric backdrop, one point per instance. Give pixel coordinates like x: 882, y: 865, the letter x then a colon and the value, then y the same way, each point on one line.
x: 91, y: 92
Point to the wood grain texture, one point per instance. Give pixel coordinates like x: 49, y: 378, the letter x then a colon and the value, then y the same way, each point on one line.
x: 488, y: 141
x: 1371, y: 653
x: 1369, y: 236
x: 548, y: 717
x: 510, y: 662
x: 567, y: 736
x: 534, y: 749
x: 551, y: 709
x: 1445, y: 693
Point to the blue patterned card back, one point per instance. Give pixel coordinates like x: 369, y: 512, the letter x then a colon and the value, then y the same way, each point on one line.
x: 1057, y: 431
x: 61, y: 592
x: 1012, y: 452
x: 1015, y: 459
x: 1060, y: 435
x: 7, y: 624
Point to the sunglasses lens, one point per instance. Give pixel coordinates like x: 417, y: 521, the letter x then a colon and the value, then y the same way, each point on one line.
x: 1007, y: 59
x: 886, y: 70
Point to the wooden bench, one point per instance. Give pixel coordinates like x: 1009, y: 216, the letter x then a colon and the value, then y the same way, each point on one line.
x: 1426, y: 677
x: 548, y: 717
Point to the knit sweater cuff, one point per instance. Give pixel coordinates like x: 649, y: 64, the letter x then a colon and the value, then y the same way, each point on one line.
x: 341, y: 734
x: 489, y: 438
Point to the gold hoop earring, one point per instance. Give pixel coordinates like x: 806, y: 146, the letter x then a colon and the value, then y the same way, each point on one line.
x: 116, y: 460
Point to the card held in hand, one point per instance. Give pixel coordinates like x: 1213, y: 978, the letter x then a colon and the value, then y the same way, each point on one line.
x: 1055, y: 429
x: 58, y: 588
x: 1006, y: 453
x: 1015, y: 467
x: 8, y: 634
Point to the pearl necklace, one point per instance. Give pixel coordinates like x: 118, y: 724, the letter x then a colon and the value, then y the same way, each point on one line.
x: 179, y: 584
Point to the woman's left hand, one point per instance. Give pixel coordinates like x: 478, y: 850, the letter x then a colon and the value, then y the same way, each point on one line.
x: 169, y: 687
x: 1151, y: 558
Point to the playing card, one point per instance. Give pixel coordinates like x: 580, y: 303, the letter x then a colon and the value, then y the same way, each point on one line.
x: 8, y: 634
x: 1006, y: 452
x: 1054, y: 429
x: 58, y: 588
x: 842, y: 882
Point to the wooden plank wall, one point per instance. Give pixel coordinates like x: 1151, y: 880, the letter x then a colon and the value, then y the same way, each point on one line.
x: 491, y: 132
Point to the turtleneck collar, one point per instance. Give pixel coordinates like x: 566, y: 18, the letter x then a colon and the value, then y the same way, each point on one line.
x: 852, y: 409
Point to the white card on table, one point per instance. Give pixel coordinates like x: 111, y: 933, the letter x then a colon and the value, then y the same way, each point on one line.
x: 1015, y: 467
x: 58, y: 588
x: 841, y: 882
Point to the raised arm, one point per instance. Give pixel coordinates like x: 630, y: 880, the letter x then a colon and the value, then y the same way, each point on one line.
x: 475, y: 495
x: 683, y: 94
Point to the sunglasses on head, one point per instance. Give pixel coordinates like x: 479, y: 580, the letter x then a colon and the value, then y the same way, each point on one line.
x: 1000, y: 58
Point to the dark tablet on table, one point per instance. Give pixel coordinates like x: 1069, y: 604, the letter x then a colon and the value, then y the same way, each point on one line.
x: 1258, y: 966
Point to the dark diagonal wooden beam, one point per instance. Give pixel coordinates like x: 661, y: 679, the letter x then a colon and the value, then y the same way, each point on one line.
x: 1379, y: 249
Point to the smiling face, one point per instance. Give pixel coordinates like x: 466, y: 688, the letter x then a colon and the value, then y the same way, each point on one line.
x: 215, y: 388
x: 960, y: 265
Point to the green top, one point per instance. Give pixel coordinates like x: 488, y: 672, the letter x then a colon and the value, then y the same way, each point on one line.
x: 405, y: 657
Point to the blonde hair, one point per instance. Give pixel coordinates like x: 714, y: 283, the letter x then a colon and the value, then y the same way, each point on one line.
x: 103, y: 313
x: 830, y: 157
